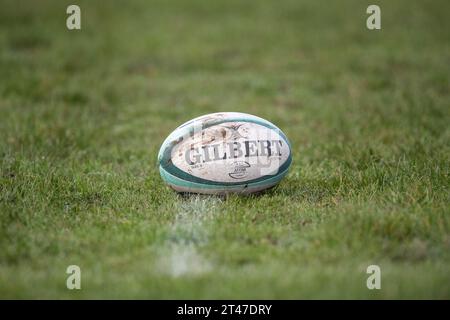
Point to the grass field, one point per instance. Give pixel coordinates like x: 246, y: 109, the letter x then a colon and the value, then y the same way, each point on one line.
x: 83, y: 114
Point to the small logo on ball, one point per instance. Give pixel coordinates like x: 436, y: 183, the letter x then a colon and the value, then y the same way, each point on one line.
x: 239, y: 170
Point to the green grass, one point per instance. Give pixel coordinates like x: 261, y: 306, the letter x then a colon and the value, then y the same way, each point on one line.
x: 83, y: 114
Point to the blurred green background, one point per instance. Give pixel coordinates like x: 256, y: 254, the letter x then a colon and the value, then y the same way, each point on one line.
x: 83, y: 114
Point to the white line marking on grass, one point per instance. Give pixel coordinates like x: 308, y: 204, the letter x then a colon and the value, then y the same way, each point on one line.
x: 180, y: 255
x: 185, y: 260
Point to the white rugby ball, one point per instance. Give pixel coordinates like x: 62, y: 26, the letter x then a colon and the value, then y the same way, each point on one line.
x: 225, y: 152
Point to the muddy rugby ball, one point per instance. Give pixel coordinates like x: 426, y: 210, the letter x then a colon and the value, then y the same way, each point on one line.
x: 226, y: 152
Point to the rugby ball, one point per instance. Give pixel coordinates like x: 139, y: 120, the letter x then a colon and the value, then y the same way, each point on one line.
x: 225, y: 152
